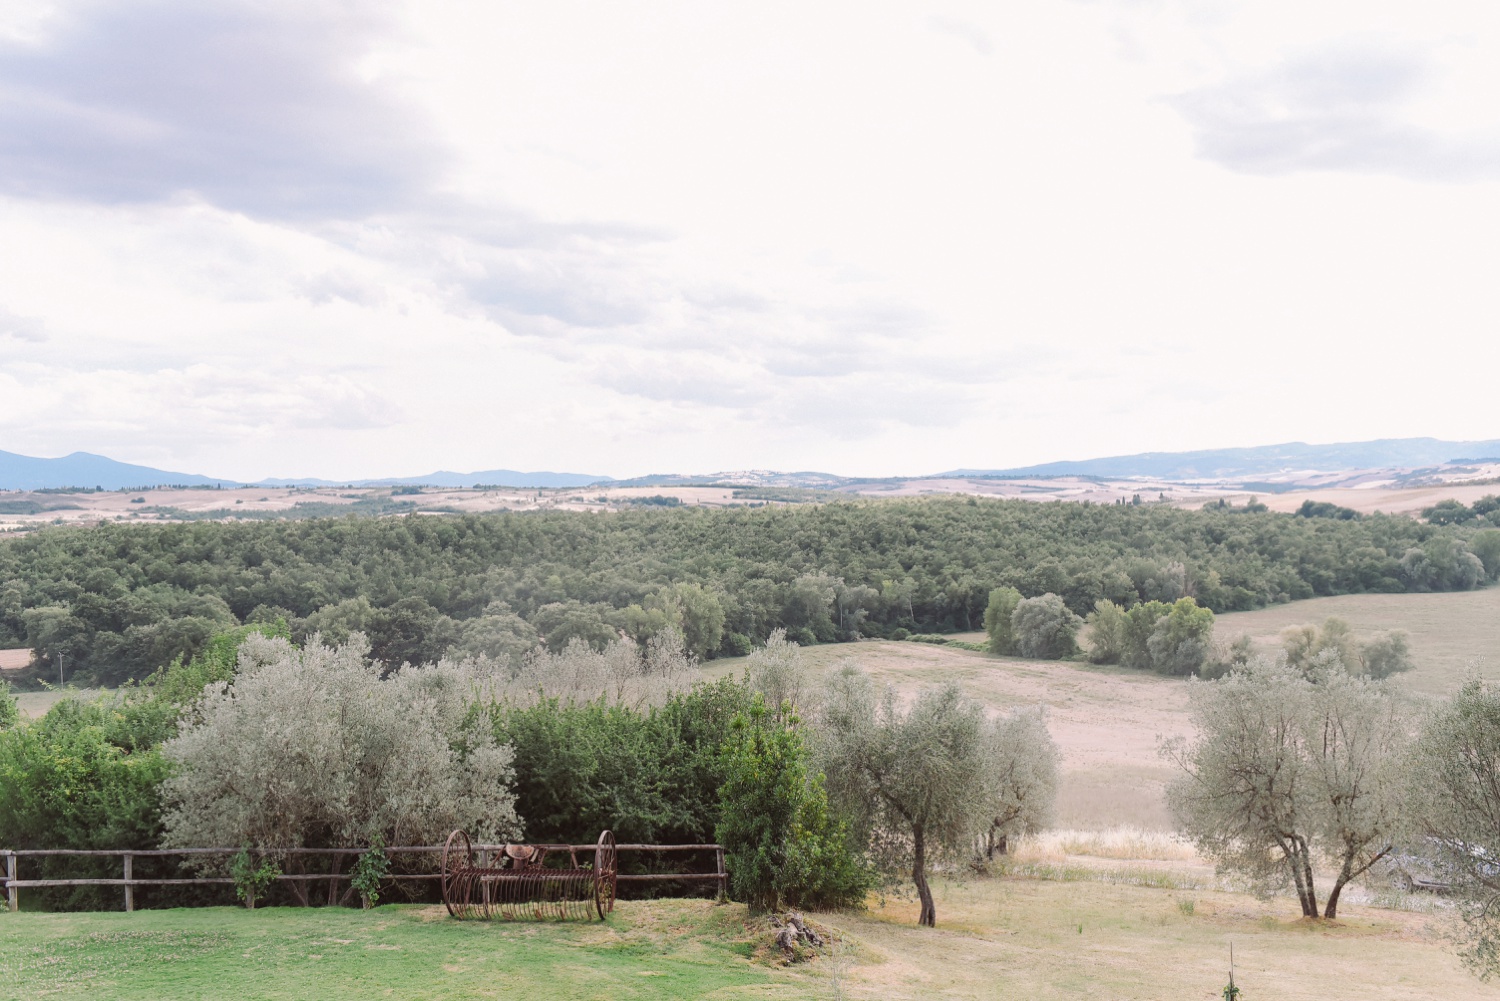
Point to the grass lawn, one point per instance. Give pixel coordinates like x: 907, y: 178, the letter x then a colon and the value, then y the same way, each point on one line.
x: 1074, y: 937
x: 651, y: 949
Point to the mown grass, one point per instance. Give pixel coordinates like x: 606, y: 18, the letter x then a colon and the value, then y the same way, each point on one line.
x: 651, y: 949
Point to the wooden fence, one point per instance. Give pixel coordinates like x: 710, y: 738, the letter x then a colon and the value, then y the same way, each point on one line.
x: 128, y: 882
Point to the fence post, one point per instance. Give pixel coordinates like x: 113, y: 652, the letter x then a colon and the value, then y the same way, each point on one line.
x: 723, y: 877
x: 129, y: 890
x: 12, y: 892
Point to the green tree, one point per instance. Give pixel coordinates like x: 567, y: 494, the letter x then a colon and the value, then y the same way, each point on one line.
x: 1182, y: 640
x: 910, y: 774
x: 1454, y: 801
x: 781, y: 845
x: 1044, y: 627
x: 1106, y: 635
x: 997, y: 613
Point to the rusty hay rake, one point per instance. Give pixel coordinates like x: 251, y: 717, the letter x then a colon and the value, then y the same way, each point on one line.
x: 518, y: 883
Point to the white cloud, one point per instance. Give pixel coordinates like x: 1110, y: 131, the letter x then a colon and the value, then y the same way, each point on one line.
x: 345, y: 240
x: 1343, y: 108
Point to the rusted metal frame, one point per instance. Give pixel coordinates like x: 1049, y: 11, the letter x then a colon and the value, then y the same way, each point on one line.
x: 523, y: 886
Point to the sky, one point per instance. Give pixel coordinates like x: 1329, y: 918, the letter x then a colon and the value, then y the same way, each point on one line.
x: 341, y: 239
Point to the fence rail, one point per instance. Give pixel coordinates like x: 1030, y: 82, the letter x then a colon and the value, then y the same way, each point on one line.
x: 14, y: 884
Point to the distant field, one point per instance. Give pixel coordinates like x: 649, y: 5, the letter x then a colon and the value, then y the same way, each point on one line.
x: 36, y: 704
x: 1105, y: 720
x: 1449, y: 632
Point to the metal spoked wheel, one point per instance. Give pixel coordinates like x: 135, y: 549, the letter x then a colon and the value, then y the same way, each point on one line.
x: 606, y: 873
x: 458, y: 866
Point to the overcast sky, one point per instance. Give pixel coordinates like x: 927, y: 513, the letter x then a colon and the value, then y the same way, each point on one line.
x: 343, y: 240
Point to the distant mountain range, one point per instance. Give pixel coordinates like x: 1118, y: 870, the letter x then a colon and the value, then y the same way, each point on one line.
x: 83, y: 469
x: 1264, y: 460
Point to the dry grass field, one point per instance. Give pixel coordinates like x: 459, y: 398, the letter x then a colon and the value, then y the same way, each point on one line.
x: 1090, y: 938
x: 1449, y: 632
x: 1105, y: 720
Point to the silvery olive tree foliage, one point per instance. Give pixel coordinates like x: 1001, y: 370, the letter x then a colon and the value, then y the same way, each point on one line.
x: 312, y: 747
x: 779, y: 672
x: 1454, y: 795
x: 622, y: 673
x: 912, y: 777
x: 1290, y: 770
x: 1020, y: 772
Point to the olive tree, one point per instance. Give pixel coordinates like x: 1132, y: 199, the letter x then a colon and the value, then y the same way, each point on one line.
x: 1455, y: 801
x: 909, y: 775
x: 778, y: 671
x: 1289, y: 770
x: 1020, y: 763
x: 622, y: 672
x: 312, y: 747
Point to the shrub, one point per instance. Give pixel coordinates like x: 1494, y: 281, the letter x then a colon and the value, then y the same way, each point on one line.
x: 84, y: 776
x: 648, y: 774
x: 736, y: 645
x: 10, y: 712
x: 252, y: 878
x: 780, y: 844
x: 313, y: 747
x: 369, y: 870
x: 1044, y: 627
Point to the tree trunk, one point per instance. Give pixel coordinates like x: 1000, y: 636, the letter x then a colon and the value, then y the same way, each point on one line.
x: 1312, y: 891
x: 928, y: 917
x: 1295, y: 851
x: 1331, y: 909
x: 1347, y: 874
x: 1302, y: 873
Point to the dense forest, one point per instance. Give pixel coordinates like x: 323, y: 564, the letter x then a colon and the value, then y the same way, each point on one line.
x: 114, y: 602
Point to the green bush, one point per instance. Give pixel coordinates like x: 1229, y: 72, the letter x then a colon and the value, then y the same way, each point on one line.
x: 10, y: 713
x: 649, y: 775
x: 369, y: 871
x: 781, y: 845
x: 86, y: 775
x: 252, y: 877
